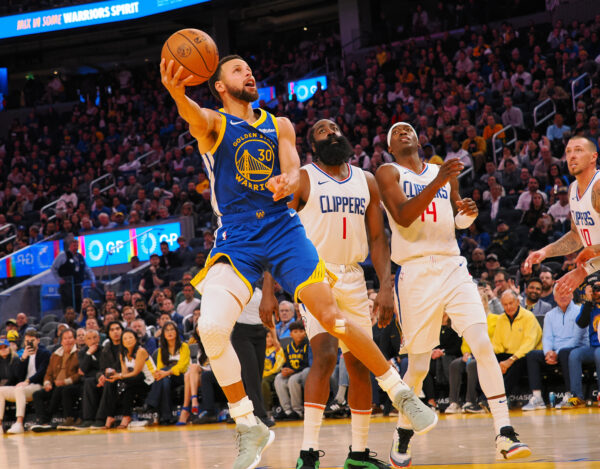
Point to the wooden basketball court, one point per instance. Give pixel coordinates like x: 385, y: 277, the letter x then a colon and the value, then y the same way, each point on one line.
x: 559, y: 439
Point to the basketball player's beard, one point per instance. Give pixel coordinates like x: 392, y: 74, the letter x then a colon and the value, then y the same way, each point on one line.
x: 333, y: 154
x: 243, y: 94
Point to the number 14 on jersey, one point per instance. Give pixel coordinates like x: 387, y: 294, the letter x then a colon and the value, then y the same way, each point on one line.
x: 431, y: 210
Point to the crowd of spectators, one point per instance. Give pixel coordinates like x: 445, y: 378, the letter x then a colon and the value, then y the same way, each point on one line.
x: 457, y: 92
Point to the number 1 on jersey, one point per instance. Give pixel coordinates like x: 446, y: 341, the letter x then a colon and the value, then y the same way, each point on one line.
x: 431, y: 210
x: 344, y: 228
x: 585, y: 233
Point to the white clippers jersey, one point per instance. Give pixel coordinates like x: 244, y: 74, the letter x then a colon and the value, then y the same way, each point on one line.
x: 585, y: 217
x: 433, y: 232
x: 334, y: 215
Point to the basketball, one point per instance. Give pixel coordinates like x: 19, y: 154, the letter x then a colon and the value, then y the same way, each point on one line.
x: 195, y: 51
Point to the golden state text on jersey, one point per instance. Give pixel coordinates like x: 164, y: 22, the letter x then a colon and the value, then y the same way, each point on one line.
x: 241, y: 162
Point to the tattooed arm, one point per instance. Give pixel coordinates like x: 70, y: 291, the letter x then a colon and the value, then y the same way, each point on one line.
x: 567, y: 244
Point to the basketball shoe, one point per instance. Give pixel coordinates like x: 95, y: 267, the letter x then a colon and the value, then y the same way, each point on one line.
x: 574, y: 403
x: 422, y: 417
x: 251, y: 442
x: 400, y: 452
x: 508, y: 445
x: 363, y: 460
x: 309, y: 459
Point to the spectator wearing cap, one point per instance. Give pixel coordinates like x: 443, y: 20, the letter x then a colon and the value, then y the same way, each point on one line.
x: 560, y: 209
x: 29, y: 375
x: 61, y: 384
x: 531, y: 301
x: 119, y: 220
x: 588, y: 319
x: 11, y: 325
x: 14, y: 340
x: 70, y: 269
x: 492, y: 265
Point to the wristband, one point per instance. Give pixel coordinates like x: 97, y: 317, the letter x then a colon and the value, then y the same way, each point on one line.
x: 463, y: 221
x: 592, y: 265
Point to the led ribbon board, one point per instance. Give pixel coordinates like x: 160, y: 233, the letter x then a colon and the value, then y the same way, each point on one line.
x: 85, y: 15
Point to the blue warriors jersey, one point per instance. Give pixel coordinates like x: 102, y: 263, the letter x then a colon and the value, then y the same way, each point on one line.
x: 241, y: 162
x: 255, y: 233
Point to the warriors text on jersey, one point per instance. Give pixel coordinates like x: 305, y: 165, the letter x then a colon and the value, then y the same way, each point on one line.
x: 334, y: 215
x: 433, y: 232
x: 241, y: 162
x: 585, y: 217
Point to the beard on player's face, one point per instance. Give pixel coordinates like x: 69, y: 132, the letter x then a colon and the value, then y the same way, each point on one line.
x: 242, y: 93
x: 334, y: 150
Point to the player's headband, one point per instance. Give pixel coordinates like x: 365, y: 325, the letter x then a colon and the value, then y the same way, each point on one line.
x: 389, y: 134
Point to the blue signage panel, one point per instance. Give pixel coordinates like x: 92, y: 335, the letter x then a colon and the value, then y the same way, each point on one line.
x: 118, y: 247
x: 85, y: 15
x: 305, y: 89
x: 266, y: 94
x: 99, y: 249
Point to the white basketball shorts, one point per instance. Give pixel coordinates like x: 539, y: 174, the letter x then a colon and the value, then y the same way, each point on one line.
x: 350, y: 292
x: 428, y: 287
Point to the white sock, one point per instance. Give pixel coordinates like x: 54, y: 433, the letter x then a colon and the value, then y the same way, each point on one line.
x: 537, y: 394
x: 391, y: 382
x: 313, y: 416
x: 246, y: 418
x: 360, y: 429
x: 499, y: 410
x: 340, y: 397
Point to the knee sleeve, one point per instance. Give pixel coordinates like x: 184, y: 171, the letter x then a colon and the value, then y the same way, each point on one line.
x: 418, y: 367
x: 220, y: 308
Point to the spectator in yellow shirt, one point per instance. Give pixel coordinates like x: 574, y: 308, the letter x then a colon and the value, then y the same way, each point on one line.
x: 491, y: 128
x: 517, y: 333
x: 274, y: 360
x: 172, y: 362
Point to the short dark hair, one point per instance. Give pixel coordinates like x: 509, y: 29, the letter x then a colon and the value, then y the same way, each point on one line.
x: 217, y: 75
x: 296, y: 325
x: 154, y: 255
x: 534, y: 280
x: 32, y: 332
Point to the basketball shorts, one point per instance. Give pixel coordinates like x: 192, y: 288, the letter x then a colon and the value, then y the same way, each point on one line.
x: 350, y: 293
x: 258, y: 241
x: 428, y: 287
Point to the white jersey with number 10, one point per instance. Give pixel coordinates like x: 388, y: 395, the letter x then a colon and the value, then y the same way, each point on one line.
x: 585, y: 217
x: 430, y: 234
